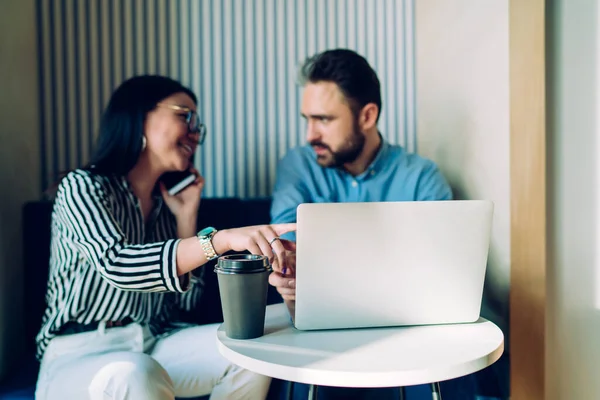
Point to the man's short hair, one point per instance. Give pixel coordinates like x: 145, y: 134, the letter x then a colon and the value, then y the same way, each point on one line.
x: 351, y: 72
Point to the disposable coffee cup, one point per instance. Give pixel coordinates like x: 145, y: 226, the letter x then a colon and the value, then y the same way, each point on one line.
x: 243, y: 285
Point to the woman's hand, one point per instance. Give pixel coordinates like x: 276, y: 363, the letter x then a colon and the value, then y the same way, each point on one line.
x: 256, y: 239
x: 184, y: 205
x: 259, y: 239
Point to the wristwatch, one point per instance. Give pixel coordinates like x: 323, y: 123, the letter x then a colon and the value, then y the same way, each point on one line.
x: 205, y: 238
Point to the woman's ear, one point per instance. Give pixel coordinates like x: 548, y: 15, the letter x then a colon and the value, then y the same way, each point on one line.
x: 367, y: 118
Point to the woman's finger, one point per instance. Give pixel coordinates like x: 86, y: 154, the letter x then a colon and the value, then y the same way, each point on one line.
x: 276, y: 245
x: 253, y: 248
x: 263, y: 243
x: 281, y: 248
x: 199, y: 178
x: 277, y: 248
x: 280, y: 229
x: 164, y: 192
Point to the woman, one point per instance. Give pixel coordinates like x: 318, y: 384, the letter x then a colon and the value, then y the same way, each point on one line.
x: 122, y: 254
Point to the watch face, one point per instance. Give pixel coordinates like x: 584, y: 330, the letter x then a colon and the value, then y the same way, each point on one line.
x: 206, y: 231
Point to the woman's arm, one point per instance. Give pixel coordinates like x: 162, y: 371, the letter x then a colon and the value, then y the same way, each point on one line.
x: 83, y: 214
x: 255, y: 239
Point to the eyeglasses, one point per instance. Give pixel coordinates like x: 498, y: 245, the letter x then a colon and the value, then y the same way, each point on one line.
x: 192, y: 120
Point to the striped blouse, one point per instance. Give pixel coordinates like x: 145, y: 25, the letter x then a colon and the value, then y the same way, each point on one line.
x: 106, y: 263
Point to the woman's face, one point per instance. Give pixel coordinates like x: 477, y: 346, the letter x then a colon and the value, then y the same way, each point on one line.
x: 169, y: 145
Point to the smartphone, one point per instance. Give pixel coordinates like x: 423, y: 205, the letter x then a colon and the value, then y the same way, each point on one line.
x: 175, y: 182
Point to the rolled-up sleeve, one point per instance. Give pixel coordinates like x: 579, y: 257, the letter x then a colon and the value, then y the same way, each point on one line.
x: 83, y: 213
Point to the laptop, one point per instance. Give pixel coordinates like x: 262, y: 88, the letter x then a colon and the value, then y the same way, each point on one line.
x: 390, y: 263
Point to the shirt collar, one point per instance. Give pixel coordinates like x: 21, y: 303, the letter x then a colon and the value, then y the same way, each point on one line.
x: 378, y: 162
x: 156, y: 195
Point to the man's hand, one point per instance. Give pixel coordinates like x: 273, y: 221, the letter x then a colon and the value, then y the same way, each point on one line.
x: 283, y: 277
x: 285, y: 284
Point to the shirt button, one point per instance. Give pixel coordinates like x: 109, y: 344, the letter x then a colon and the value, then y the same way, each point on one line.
x: 354, y: 184
x: 372, y: 172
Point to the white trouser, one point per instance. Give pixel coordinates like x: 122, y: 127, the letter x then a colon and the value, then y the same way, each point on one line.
x: 128, y: 363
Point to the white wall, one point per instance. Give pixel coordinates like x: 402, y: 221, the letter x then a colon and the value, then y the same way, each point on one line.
x: 573, y: 109
x: 19, y: 161
x: 463, y: 116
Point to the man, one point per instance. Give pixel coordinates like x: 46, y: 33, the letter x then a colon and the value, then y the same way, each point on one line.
x: 346, y: 159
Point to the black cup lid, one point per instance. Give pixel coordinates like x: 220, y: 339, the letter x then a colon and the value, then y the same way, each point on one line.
x: 242, y: 263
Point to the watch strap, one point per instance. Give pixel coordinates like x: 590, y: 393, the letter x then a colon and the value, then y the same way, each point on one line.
x: 205, y: 238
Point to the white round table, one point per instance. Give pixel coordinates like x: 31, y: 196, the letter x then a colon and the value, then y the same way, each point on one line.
x: 376, y: 357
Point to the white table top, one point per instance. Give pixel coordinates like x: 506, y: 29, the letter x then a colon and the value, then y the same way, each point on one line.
x: 378, y: 357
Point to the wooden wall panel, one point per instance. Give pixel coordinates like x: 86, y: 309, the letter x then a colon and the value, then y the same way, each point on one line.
x: 528, y: 198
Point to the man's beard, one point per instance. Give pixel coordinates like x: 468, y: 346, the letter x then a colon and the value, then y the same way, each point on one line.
x: 349, y: 152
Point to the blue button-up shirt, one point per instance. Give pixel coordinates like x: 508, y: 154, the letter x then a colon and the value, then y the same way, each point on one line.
x: 394, y: 175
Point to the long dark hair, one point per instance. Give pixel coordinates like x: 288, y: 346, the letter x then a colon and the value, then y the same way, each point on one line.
x: 119, y: 142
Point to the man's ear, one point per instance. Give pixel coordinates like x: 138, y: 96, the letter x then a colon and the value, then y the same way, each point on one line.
x: 367, y: 117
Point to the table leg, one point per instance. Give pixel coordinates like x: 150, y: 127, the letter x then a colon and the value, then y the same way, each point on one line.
x: 436, y: 393
x: 290, y: 390
x: 401, y: 393
x: 312, y: 392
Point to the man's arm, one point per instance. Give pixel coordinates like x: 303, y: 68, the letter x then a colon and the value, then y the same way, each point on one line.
x: 432, y: 185
x: 290, y: 190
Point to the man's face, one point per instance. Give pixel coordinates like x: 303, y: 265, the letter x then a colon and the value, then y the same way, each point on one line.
x: 332, y: 129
